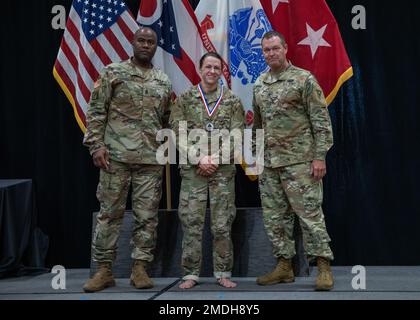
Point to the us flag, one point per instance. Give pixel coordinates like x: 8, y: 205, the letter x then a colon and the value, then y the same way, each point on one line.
x: 98, y: 32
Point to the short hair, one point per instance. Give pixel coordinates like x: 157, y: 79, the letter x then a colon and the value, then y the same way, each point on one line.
x: 273, y: 33
x: 145, y: 28
x: 210, y: 54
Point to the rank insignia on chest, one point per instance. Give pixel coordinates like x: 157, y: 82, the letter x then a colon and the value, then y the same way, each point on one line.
x: 209, y: 126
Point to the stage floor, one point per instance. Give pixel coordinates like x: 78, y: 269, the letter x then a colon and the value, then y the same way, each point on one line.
x: 382, y: 283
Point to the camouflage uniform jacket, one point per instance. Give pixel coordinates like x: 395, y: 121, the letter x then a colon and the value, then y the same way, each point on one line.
x: 291, y: 108
x: 189, y: 107
x: 127, y: 108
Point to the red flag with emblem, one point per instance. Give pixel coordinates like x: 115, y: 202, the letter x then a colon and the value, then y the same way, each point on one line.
x: 313, y: 39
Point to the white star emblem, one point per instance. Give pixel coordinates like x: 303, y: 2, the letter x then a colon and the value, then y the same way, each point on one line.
x: 160, y: 23
x: 108, y: 19
x: 162, y: 41
x: 275, y: 3
x: 314, y: 39
x: 173, y: 47
x: 171, y: 29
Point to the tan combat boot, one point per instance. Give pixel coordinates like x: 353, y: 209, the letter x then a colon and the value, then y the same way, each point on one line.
x: 324, y: 281
x: 139, y: 277
x: 102, y: 279
x: 283, y: 273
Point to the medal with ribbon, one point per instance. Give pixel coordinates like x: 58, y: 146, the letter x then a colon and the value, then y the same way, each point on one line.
x: 212, y: 110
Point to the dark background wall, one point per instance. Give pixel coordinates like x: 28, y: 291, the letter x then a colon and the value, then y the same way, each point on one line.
x: 371, y: 190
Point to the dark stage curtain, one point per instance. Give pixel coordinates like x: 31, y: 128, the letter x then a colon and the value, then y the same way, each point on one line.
x: 371, y: 189
x: 23, y: 246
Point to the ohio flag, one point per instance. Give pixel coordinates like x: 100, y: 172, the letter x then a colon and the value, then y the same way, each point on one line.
x: 179, y: 40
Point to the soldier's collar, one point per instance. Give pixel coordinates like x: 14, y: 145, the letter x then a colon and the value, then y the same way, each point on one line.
x: 138, y: 71
x: 272, y: 77
x: 212, y: 96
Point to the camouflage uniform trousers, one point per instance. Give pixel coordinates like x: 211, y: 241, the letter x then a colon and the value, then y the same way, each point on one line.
x: 192, y: 209
x: 112, y: 194
x: 289, y: 191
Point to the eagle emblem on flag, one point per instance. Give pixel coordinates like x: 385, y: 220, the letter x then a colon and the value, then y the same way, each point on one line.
x: 245, y: 34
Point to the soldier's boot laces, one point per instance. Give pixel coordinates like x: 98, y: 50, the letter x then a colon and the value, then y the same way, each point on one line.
x: 283, y: 273
x: 324, y: 280
x: 102, y: 279
x: 139, y: 278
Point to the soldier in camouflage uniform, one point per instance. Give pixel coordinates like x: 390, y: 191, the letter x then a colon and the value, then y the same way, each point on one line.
x: 207, y: 178
x: 290, y: 106
x: 129, y: 104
